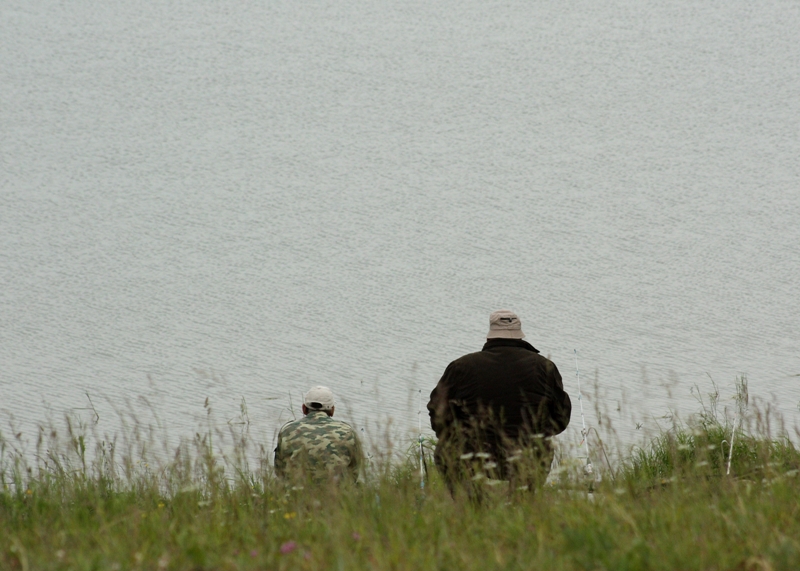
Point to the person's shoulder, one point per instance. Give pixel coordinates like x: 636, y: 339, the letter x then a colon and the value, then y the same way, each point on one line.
x: 462, y: 367
x: 292, y: 425
x: 339, y: 425
x: 466, y: 359
x: 336, y: 429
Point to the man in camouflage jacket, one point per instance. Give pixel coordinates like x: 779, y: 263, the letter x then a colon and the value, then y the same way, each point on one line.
x: 317, y: 447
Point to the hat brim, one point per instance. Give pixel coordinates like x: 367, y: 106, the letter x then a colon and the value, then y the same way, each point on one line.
x: 505, y: 334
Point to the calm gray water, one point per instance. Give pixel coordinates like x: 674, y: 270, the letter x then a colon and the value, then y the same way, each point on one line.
x: 241, y: 200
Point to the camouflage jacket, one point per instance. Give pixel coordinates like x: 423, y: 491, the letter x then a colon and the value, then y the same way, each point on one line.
x: 317, y: 447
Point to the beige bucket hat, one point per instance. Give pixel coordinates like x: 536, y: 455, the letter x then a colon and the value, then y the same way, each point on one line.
x: 504, y: 324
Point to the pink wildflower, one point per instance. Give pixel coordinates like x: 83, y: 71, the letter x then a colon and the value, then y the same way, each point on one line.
x: 288, y: 547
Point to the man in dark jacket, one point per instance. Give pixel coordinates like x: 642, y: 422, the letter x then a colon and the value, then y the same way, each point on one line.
x: 493, y: 411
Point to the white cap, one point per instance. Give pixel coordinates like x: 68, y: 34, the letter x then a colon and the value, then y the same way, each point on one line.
x: 319, y: 398
x: 504, y: 324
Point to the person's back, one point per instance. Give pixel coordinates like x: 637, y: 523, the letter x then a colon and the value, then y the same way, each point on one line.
x: 500, y: 405
x: 510, y: 383
x: 317, y: 447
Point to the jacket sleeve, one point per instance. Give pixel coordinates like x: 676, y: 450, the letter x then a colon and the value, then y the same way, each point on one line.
x: 357, y: 457
x: 280, y: 462
x: 560, y: 404
x: 439, y: 409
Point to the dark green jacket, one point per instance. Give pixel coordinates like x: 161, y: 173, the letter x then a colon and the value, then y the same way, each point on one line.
x: 505, y: 392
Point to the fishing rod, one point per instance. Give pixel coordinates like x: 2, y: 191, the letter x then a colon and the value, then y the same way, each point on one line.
x: 742, y: 399
x: 421, y: 454
x: 588, y: 470
x: 730, y: 452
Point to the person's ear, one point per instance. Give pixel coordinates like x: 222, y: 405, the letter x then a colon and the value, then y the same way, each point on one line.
x: 305, y: 410
x: 331, y: 412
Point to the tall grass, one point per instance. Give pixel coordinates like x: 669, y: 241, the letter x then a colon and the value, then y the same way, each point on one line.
x: 78, y: 501
x: 711, y: 446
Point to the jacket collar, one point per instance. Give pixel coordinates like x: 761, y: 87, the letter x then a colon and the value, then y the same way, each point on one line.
x: 492, y: 343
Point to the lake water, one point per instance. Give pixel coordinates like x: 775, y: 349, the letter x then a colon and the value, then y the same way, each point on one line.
x: 240, y: 200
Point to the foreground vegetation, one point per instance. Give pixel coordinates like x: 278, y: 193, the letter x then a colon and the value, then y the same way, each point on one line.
x: 669, y: 505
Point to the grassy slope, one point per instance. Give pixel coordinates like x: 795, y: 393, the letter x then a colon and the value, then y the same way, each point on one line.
x: 668, y: 506
x: 684, y: 525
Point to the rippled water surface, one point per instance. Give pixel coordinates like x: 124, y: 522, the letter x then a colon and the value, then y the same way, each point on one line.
x: 240, y: 200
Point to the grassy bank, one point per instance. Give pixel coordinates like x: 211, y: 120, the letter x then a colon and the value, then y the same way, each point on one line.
x: 84, y: 504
